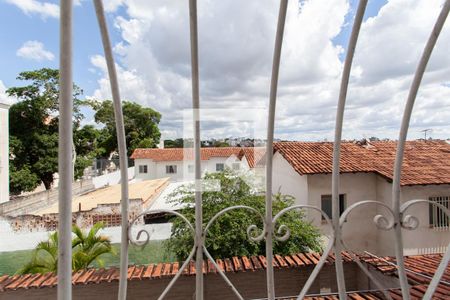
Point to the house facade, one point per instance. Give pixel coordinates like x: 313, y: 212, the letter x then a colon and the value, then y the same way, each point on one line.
x: 303, y: 170
x: 178, y: 163
x: 4, y: 153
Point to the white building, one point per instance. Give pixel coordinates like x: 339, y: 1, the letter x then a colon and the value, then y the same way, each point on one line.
x: 178, y: 163
x: 4, y: 152
x: 303, y: 170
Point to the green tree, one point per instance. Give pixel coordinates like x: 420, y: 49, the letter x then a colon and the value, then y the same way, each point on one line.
x: 141, y: 126
x: 86, y: 248
x: 227, y: 236
x: 34, y: 128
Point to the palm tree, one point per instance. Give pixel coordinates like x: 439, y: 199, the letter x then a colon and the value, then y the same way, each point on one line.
x: 44, y: 258
x: 86, y: 248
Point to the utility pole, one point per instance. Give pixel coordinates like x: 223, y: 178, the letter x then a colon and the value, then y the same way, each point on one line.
x: 425, y: 131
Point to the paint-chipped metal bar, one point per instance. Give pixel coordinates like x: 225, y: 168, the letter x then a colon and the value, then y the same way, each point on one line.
x: 337, y: 144
x: 120, y: 129
x: 65, y: 140
x: 269, y: 147
x: 402, y: 140
x: 196, y: 122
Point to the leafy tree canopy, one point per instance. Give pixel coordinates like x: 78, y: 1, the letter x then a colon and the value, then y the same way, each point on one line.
x: 141, y: 126
x: 34, y: 128
x: 227, y: 236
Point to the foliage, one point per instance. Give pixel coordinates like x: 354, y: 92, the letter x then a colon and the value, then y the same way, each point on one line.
x: 176, y: 143
x: 34, y: 128
x: 227, y: 236
x: 86, y: 249
x: 21, y: 180
x: 141, y: 126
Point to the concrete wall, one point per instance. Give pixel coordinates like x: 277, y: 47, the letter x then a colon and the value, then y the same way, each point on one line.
x: 111, y: 178
x: 158, y: 169
x: 251, y: 285
x: 359, y: 232
x: 4, y: 153
x: 31, y: 202
x: 287, y: 181
x: 424, y: 236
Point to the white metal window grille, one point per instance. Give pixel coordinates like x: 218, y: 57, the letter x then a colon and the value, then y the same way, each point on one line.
x: 395, y: 219
x: 236, y: 166
x: 438, y: 218
x: 143, y: 169
x: 171, y: 169
x: 220, y: 167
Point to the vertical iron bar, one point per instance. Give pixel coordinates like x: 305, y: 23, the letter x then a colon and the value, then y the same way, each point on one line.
x: 122, y: 147
x: 65, y: 139
x: 269, y: 146
x: 196, y: 120
x: 337, y: 145
x: 401, y: 144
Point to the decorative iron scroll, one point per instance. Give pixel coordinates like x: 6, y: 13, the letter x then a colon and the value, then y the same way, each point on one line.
x: 395, y: 221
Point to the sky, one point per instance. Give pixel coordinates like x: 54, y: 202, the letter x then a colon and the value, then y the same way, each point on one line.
x: 236, y: 40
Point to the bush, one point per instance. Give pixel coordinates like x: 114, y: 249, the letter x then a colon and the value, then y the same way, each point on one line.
x: 227, y: 236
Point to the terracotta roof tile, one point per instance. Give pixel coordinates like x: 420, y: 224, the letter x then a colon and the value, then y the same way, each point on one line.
x: 179, y: 154
x: 420, y: 268
x: 148, y: 272
x: 425, y: 162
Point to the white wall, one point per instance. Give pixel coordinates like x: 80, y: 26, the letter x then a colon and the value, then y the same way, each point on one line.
x: 359, y: 232
x: 4, y: 153
x: 111, y: 178
x: 286, y: 180
x: 158, y: 169
x: 424, y: 236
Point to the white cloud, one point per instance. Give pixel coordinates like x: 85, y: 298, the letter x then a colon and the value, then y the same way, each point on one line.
x: 44, y: 9
x: 34, y: 50
x: 4, y: 98
x: 236, y: 44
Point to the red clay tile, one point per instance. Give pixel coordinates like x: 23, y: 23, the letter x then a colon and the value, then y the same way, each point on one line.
x: 166, y: 270
x: 175, y: 268
x: 148, y: 272
x: 247, y: 263
x: 256, y: 263
x: 422, y: 159
x: 237, y: 264
x: 228, y: 265
x: 157, y: 270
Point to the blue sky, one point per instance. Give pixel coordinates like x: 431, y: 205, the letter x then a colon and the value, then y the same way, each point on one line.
x: 155, y: 73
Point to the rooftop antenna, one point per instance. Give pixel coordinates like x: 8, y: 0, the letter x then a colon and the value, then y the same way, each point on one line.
x: 425, y: 131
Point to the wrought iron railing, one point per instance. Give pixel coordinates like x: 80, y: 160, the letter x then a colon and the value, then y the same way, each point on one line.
x: 396, y: 220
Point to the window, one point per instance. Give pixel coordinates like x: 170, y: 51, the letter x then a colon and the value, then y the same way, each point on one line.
x: 191, y: 168
x: 438, y: 218
x: 143, y: 169
x: 236, y: 166
x: 220, y: 167
x: 327, y: 205
x: 171, y: 169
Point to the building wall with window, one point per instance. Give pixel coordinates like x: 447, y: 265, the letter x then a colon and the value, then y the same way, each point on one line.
x: 360, y: 232
x: 4, y: 153
x: 184, y: 170
x: 426, y: 236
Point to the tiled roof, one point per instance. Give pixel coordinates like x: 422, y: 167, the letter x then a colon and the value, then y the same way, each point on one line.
x: 420, y: 269
x: 163, y: 270
x: 178, y: 154
x: 253, y: 155
x: 425, y: 162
